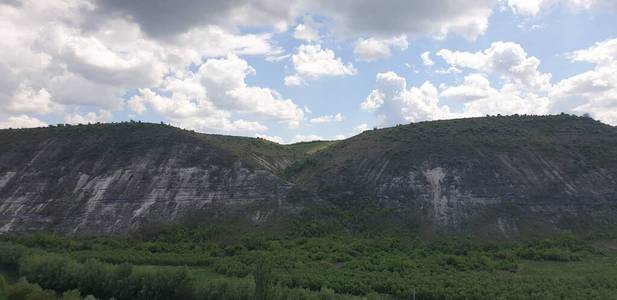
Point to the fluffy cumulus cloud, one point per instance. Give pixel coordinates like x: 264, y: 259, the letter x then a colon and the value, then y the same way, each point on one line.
x: 186, y: 62
x: 328, y: 119
x: 522, y: 87
x: 594, y: 91
x: 21, y: 121
x: 312, y: 62
x: 27, y: 100
x: 479, y: 98
x: 90, y: 117
x: 533, y: 7
x: 396, y: 103
x: 70, y: 58
x: 372, y: 49
x: 506, y: 59
x: 305, y: 32
x: 205, y: 99
x: 426, y: 59
x: 306, y: 138
x: 272, y: 138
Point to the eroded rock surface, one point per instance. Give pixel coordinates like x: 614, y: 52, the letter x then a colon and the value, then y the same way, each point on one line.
x: 504, y: 175
x: 113, y: 180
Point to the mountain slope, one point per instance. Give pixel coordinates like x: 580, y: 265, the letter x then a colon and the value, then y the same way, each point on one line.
x: 516, y: 175
x: 111, y: 178
x: 507, y: 175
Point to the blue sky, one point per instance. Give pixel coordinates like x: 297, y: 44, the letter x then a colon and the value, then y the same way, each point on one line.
x: 302, y: 70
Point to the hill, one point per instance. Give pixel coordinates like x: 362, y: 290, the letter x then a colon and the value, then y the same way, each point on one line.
x: 505, y: 175
x: 515, y: 175
x: 112, y: 178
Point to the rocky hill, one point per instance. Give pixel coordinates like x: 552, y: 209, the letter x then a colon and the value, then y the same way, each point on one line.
x: 111, y: 178
x: 506, y: 175
x: 495, y: 175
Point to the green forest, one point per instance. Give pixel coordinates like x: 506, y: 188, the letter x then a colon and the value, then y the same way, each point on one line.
x: 210, y: 262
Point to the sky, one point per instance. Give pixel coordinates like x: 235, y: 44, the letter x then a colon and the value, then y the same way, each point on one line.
x: 301, y: 70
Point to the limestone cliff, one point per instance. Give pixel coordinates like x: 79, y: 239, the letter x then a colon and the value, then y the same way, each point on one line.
x: 496, y: 175
x: 109, y: 179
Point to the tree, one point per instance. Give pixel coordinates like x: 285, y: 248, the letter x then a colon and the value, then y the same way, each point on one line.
x: 3, y: 287
x: 71, y: 295
x: 263, y: 281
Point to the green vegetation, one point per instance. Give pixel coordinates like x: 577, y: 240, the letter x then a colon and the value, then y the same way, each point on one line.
x: 197, y: 263
x: 138, y: 137
x: 348, y: 246
x: 311, y: 147
x: 591, y: 142
x: 24, y: 290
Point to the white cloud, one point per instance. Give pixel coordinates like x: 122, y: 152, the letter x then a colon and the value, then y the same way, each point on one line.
x: 313, y: 62
x: 594, y: 91
x: 480, y: 98
x: 276, y: 139
x: 198, y: 114
x: 475, y: 86
x: 22, y: 121
x: 90, y: 117
x: 426, y: 59
x: 78, y: 60
x: 397, y: 104
x: 533, y: 7
x: 373, y: 49
x: 294, y: 80
x: 602, y: 53
x: 328, y: 119
x: 224, y: 80
x: 70, y: 59
x: 362, y: 127
x: 449, y: 70
x: 305, y: 32
x: 206, y: 98
x: 507, y: 59
x: 525, y: 7
x: 306, y: 138
x: 524, y: 89
x: 27, y: 100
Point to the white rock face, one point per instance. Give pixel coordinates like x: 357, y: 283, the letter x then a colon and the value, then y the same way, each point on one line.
x: 4, y: 179
x: 439, y: 201
x: 72, y: 189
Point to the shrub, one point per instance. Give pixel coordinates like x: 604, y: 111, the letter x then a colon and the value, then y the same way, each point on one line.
x: 263, y: 281
x: 225, y: 289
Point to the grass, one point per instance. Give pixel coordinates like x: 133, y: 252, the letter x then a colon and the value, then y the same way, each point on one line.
x: 589, y: 267
x: 311, y: 147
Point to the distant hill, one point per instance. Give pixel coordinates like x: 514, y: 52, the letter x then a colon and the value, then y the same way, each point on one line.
x: 514, y: 175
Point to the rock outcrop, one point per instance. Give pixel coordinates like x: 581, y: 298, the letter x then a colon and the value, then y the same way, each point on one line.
x: 110, y: 179
x: 513, y: 175
x: 496, y: 175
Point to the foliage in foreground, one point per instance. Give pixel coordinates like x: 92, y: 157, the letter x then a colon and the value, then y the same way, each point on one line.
x: 56, y: 273
x: 171, y: 265
x: 24, y: 290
